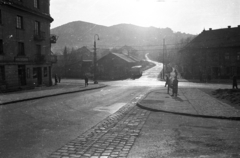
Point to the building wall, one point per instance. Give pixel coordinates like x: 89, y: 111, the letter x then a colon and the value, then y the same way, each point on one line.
x: 112, y: 67
x: 11, y: 35
x: 213, y: 62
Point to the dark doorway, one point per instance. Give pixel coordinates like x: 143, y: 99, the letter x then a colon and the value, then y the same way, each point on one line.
x: 39, y: 75
x: 22, y: 75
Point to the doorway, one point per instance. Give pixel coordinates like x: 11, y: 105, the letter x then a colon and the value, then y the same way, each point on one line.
x: 22, y: 75
x: 39, y: 75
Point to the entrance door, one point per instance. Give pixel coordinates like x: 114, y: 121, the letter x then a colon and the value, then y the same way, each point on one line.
x: 39, y: 75
x: 22, y: 75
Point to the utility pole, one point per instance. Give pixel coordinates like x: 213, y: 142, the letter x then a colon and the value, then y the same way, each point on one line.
x: 95, y: 59
x: 163, y: 58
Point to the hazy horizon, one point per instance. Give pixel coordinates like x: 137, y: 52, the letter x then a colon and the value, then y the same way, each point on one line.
x: 186, y: 16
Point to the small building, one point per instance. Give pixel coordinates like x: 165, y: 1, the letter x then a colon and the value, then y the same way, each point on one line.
x: 25, y: 44
x: 213, y: 54
x: 115, y: 66
x: 74, y: 64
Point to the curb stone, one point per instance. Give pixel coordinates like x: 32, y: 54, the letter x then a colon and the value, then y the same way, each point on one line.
x: 46, y: 96
x: 184, y: 114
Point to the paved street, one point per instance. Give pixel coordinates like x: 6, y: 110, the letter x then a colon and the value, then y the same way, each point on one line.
x: 113, y: 137
x: 128, y: 118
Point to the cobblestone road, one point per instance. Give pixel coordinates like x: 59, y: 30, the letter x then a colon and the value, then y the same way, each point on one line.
x: 112, y: 137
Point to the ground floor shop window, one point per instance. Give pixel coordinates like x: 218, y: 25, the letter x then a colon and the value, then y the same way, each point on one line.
x: 28, y: 72
x: 45, y: 71
x: 34, y: 72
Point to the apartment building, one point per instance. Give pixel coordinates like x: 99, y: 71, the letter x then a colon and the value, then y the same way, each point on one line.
x: 25, y: 44
x: 212, y: 54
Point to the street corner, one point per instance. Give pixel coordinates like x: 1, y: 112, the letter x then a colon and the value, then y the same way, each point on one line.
x: 160, y: 101
x: 154, y: 99
x: 161, y: 95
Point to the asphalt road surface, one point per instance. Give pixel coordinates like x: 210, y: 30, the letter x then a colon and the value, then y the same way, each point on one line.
x: 34, y: 129
x: 37, y: 128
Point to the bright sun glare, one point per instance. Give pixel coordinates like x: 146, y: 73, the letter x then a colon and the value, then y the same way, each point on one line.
x: 147, y: 13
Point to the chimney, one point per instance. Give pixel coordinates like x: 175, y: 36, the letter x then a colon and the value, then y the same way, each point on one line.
x: 210, y: 29
x: 229, y: 27
x: 238, y: 26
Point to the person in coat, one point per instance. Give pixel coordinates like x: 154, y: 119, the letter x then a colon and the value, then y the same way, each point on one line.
x: 175, y: 86
x: 234, y: 84
x: 56, y: 79
x: 86, y: 80
x: 167, y: 80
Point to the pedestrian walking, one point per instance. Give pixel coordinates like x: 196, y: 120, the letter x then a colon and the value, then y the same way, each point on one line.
x: 175, y: 86
x: 59, y: 78
x: 176, y: 73
x: 167, y: 80
x: 234, y: 84
x: 86, y: 80
x: 56, y: 79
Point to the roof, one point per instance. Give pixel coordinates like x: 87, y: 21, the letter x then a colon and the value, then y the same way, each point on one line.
x: 228, y: 37
x: 124, y: 57
x: 134, y: 58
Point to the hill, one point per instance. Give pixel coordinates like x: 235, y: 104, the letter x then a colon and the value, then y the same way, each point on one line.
x: 77, y: 34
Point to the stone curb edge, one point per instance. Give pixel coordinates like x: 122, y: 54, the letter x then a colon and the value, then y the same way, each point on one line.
x: 184, y: 114
x: 46, y: 96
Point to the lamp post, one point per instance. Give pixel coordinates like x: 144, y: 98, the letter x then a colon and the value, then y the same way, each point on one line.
x: 163, y: 58
x: 95, y: 58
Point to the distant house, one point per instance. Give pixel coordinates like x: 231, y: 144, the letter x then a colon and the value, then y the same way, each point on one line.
x: 74, y: 64
x: 130, y: 52
x: 115, y: 66
x: 212, y: 54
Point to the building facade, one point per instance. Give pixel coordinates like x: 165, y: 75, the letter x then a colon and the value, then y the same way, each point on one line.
x: 115, y: 66
x: 213, y: 54
x: 25, y: 44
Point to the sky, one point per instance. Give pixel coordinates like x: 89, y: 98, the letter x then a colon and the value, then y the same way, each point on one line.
x: 187, y: 16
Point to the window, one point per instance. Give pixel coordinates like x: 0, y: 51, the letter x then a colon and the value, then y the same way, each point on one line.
x: 45, y: 71
x: 19, y: 22
x: 36, y: 4
x: 38, y: 50
x: 2, y: 73
x: 226, y: 56
x: 1, y: 46
x: 37, y: 27
x: 0, y: 16
x: 238, y: 56
x: 21, y: 48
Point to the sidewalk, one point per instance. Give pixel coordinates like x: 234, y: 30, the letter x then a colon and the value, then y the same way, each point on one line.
x: 190, y: 102
x: 66, y: 86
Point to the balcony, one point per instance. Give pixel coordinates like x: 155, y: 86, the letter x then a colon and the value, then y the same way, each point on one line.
x: 39, y: 35
x: 53, y: 38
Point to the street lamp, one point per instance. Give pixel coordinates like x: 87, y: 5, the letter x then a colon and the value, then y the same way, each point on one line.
x: 95, y: 59
x: 163, y: 58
